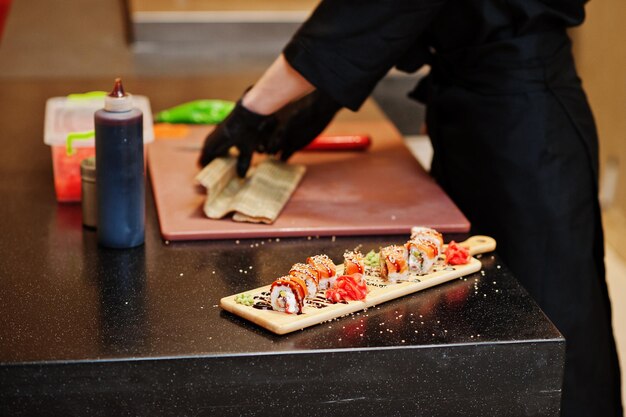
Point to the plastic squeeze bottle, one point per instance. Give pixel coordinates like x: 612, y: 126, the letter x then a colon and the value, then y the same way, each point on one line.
x: 120, y: 171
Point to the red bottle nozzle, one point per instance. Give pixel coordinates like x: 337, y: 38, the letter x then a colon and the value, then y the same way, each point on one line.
x: 118, y: 89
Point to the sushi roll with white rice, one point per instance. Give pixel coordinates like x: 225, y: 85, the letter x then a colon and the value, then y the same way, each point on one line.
x: 326, y: 268
x: 353, y: 263
x: 287, y: 294
x: 421, y: 232
x: 309, y: 275
x: 423, y: 254
x: 394, y: 263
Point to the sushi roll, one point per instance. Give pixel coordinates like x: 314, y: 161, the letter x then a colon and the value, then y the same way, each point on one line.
x: 309, y: 275
x: 422, y: 255
x: 287, y: 294
x: 326, y: 268
x: 353, y: 263
x: 394, y: 263
x: 420, y: 232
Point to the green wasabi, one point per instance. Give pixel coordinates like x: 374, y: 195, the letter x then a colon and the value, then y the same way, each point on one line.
x: 245, y: 299
x: 372, y: 259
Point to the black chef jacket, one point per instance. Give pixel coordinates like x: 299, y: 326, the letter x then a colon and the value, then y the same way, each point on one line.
x: 514, y: 139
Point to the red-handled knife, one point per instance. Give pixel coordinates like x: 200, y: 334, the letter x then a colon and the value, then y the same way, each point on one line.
x: 339, y: 143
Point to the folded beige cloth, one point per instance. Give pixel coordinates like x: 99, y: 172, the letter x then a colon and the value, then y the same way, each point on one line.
x: 259, y: 198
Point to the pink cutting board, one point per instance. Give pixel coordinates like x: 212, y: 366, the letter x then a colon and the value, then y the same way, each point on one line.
x: 383, y: 190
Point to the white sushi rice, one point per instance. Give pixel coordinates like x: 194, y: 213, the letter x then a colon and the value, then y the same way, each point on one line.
x: 326, y: 283
x: 398, y: 276
x: 311, y: 286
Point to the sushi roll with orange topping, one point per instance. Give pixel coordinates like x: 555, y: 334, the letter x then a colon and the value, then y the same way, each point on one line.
x: 422, y: 255
x: 309, y: 275
x: 287, y: 294
x: 420, y: 232
x: 394, y: 263
x: 326, y: 268
x: 353, y: 263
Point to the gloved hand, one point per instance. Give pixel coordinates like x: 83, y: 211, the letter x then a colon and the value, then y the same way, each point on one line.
x: 300, y: 122
x: 244, y: 129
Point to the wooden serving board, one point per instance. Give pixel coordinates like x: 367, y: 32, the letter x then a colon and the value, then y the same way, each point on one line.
x: 317, y: 311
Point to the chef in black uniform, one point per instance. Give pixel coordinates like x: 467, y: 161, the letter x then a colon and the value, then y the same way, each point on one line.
x: 514, y: 142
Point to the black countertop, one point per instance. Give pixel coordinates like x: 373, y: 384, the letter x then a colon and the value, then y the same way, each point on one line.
x: 71, y: 312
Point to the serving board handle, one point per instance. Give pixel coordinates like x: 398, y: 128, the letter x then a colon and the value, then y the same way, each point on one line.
x: 479, y: 244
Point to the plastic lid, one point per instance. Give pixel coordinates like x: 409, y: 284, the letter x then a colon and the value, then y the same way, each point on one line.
x: 74, y: 115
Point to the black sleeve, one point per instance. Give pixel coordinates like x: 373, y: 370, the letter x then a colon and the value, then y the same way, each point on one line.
x: 347, y: 46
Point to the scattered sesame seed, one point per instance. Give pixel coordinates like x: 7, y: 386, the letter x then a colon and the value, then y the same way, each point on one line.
x: 498, y: 266
x: 214, y: 272
x: 333, y: 238
x: 236, y: 242
x: 277, y: 240
x: 181, y: 274
x: 308, y: 238
x: 167, y: 242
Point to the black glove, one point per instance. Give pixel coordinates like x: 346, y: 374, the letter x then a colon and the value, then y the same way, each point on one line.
x: 300, y: 122
x: 246, y: 130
